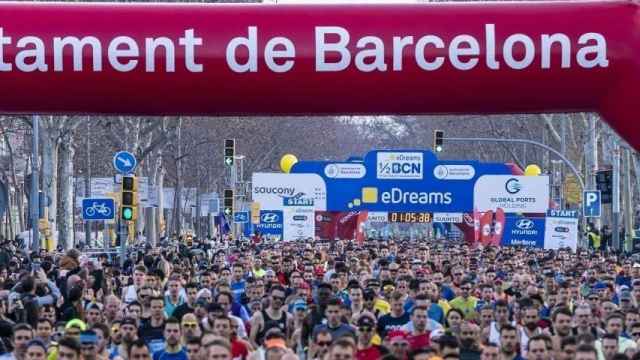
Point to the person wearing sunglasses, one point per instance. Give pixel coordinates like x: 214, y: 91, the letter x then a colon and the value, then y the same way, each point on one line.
x: 320, y: 346
x: 190, y: 327
x: 365, y: 332
x: 465, y: 302
x: 272, y: 317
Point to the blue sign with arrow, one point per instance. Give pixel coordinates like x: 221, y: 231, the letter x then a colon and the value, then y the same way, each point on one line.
x: 98, y: 209
x: 124, y: 162
x: 241, y: 217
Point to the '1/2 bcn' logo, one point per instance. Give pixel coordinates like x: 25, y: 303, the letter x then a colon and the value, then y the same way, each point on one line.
x: 399, y: 165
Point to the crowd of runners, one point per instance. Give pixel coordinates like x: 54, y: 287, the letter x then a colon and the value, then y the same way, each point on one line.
x: 391, y: 299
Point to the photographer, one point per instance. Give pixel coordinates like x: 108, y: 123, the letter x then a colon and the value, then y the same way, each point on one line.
x: 32, y: 291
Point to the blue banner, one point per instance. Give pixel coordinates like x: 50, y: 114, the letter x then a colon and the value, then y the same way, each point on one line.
x: 524, y: 231
x: 222, y: 224
x: 400, y: 180
x: 271, y: 223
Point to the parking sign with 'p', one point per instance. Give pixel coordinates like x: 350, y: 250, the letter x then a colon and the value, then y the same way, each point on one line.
x: 591, y: 203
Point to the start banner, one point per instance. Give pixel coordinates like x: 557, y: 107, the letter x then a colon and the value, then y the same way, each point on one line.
x: 208, y: 59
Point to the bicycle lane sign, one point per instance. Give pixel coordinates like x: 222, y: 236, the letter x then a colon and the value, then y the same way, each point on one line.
x: 98, y: 209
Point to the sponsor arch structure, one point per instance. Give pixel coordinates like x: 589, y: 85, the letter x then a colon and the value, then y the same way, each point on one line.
x: 194, y: 59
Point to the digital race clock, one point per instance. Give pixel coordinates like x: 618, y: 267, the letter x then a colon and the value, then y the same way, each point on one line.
x: 410, y: 217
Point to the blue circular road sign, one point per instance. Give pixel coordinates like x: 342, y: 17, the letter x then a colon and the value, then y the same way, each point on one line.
x: 124, y: 162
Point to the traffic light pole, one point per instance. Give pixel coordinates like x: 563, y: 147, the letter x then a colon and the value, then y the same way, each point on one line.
x: 234, y: 187
x: 615, y: 202
x: 575, y: 171
x: 123, y: 242
x: 35, y: 181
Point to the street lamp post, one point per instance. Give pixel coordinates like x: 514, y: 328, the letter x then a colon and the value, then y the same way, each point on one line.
x: 35, y: 180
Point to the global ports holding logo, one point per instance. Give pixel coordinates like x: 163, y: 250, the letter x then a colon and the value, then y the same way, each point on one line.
x: 513, y: 194
x: 513, y: 186
x: 399, y: 165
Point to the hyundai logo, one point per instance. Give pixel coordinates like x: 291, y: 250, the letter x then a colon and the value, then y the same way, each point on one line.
x: 525, y: 224
x: 269, y: 218
x: 513, y: 186
x: 561, y: 229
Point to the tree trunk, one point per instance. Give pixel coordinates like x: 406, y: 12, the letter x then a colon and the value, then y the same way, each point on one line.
x: 196, y: 220
x: 545, y: 153
x: 160, y: 189
x: 14, y: 180
x: 50, y: 173
x: 591, y: 154
x: 178, y: 194
x: 9, y: 231
x: 66, y: 178
x: 636, y: 167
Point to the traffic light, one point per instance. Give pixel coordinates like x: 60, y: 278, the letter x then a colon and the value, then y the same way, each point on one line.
x: 438, y: 140
x: 604, y: 183
x: 129, y: 198
x: 228, y: 202
x: 229, y: 151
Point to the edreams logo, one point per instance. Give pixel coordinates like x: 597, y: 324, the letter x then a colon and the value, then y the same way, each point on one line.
x: 269, y: 218
x: 513, y: 186
x: 525, y: 224
x: 399, y: 165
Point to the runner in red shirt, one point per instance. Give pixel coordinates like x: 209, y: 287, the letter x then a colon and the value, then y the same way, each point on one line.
x: 364, y: 333
x: 222, y: 327
x: 398, y: 342
x: 419, y: 338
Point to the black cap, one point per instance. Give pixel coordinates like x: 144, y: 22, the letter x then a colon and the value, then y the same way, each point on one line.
x: 373, y: 282
x: 369, y: 294
x: 367, y: 321
x: 214, y: 307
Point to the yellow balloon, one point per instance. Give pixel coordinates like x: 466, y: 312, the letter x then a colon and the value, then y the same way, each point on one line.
x: 287, y: 162
x: 532, y: 170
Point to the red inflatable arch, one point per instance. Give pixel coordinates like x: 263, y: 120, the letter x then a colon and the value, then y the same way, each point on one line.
x: 194, y: 59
